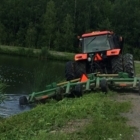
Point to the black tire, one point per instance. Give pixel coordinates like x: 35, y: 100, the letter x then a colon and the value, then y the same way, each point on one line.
x: 59, y: 94
x: 80, y: 69
x: 104, y: 85
x: 23, y: 100
x: 128, y: 64
x: 69, y: 71
x: 117, y: 64
x: 77, y: 91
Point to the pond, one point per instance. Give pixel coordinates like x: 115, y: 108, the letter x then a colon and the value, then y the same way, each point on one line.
x: 24, y: 76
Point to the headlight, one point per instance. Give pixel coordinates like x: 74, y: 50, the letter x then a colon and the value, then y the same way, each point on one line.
x: 89, y: 59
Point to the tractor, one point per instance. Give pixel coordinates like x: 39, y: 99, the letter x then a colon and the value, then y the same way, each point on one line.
x: 101, y: 51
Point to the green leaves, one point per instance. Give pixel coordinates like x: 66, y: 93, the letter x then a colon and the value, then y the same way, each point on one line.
x: 56, y: 23
x: 49, y: 22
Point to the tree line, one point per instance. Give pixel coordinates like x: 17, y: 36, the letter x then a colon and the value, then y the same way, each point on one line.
x: 55, y: 24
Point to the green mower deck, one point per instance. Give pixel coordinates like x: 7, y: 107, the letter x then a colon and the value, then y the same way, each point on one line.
x: 86, y: 83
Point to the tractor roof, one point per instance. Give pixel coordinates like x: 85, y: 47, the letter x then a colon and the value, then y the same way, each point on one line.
x: 96, y: 33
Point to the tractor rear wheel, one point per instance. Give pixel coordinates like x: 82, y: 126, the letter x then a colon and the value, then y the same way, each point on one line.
x: 128, y: 64
x: 117, y: 64
x: 80, y: 69
x: 69, y: 71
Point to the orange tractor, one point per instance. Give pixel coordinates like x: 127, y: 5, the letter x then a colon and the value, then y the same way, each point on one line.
x: 101, y: 51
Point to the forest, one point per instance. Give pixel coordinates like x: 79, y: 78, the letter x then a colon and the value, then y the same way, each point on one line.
x: 55, y: 24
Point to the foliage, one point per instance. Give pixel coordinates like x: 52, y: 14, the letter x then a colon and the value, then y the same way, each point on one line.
x: 49, y: 22
x: 44, y: 52
x: 56, y: 23
x: 101, y: 113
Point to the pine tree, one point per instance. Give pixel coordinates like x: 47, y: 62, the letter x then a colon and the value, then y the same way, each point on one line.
x: 68, y: 33
x: 49, y: 23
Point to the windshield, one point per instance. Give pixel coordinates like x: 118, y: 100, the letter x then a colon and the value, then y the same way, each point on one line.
x: 95, y: 43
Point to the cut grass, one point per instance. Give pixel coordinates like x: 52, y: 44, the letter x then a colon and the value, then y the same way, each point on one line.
x: 66, y: 120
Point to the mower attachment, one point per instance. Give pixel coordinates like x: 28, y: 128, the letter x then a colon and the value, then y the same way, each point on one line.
x: 78, y: 86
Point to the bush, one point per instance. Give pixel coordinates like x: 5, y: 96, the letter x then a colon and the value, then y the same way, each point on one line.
x: 44, y: 52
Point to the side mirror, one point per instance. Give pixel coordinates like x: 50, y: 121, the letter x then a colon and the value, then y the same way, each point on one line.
x: 80, y: 41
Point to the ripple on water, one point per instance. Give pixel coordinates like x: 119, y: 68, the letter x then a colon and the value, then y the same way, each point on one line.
x: 11, y: 106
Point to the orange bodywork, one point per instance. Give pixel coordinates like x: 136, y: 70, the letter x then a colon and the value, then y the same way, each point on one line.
x: 96, y: 33
x: 80, y: 57
x: 113, y: 52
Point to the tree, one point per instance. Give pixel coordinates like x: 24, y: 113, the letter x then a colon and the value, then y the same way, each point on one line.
x: 68, y: 33
x: 58, y: 40
x: 2, y: 34
x: 127, y: 23
x: 49, y: 22
x: 105, y: 25
x: 31, y: 36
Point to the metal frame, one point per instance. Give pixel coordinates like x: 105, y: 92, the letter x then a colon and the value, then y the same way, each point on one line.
x: 93, y: 81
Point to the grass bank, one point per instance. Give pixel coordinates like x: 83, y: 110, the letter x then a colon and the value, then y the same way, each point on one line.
x: 37, y: 53
x: 92, y: 117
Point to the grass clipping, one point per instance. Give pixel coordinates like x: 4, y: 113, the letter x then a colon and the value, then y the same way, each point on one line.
x: 92, y: 117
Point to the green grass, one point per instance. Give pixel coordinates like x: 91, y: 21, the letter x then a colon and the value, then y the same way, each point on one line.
x: 137, y: 68
x: 38, y: 53
x: 94, y: 116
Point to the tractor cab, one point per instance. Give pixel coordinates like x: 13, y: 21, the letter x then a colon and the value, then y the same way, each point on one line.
x: 99, y: 41
x: 101, y: 51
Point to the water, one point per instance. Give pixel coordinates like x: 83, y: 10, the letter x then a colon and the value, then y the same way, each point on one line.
x: 11, y: 106
x: 24, y: 76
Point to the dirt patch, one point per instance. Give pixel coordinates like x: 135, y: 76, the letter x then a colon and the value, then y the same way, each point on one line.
x: 134, y: 114
x: 73, y: 126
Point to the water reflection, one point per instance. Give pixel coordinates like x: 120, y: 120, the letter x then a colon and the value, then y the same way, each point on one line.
x: 23, y: 76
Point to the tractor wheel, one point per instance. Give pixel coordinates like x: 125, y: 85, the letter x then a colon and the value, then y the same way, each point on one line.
x: 104, y: 85
x: 80, y: 68
x: 78, y: 90
x: 117, y: 64
x: 23, y: 100
x: 128, y: 64
x: 69, y: 71
x: 59, y: 94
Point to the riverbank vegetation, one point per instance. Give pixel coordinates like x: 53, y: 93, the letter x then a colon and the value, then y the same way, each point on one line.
x: 42, y: 53
x: 54, y: 26
x: 94, y: 116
